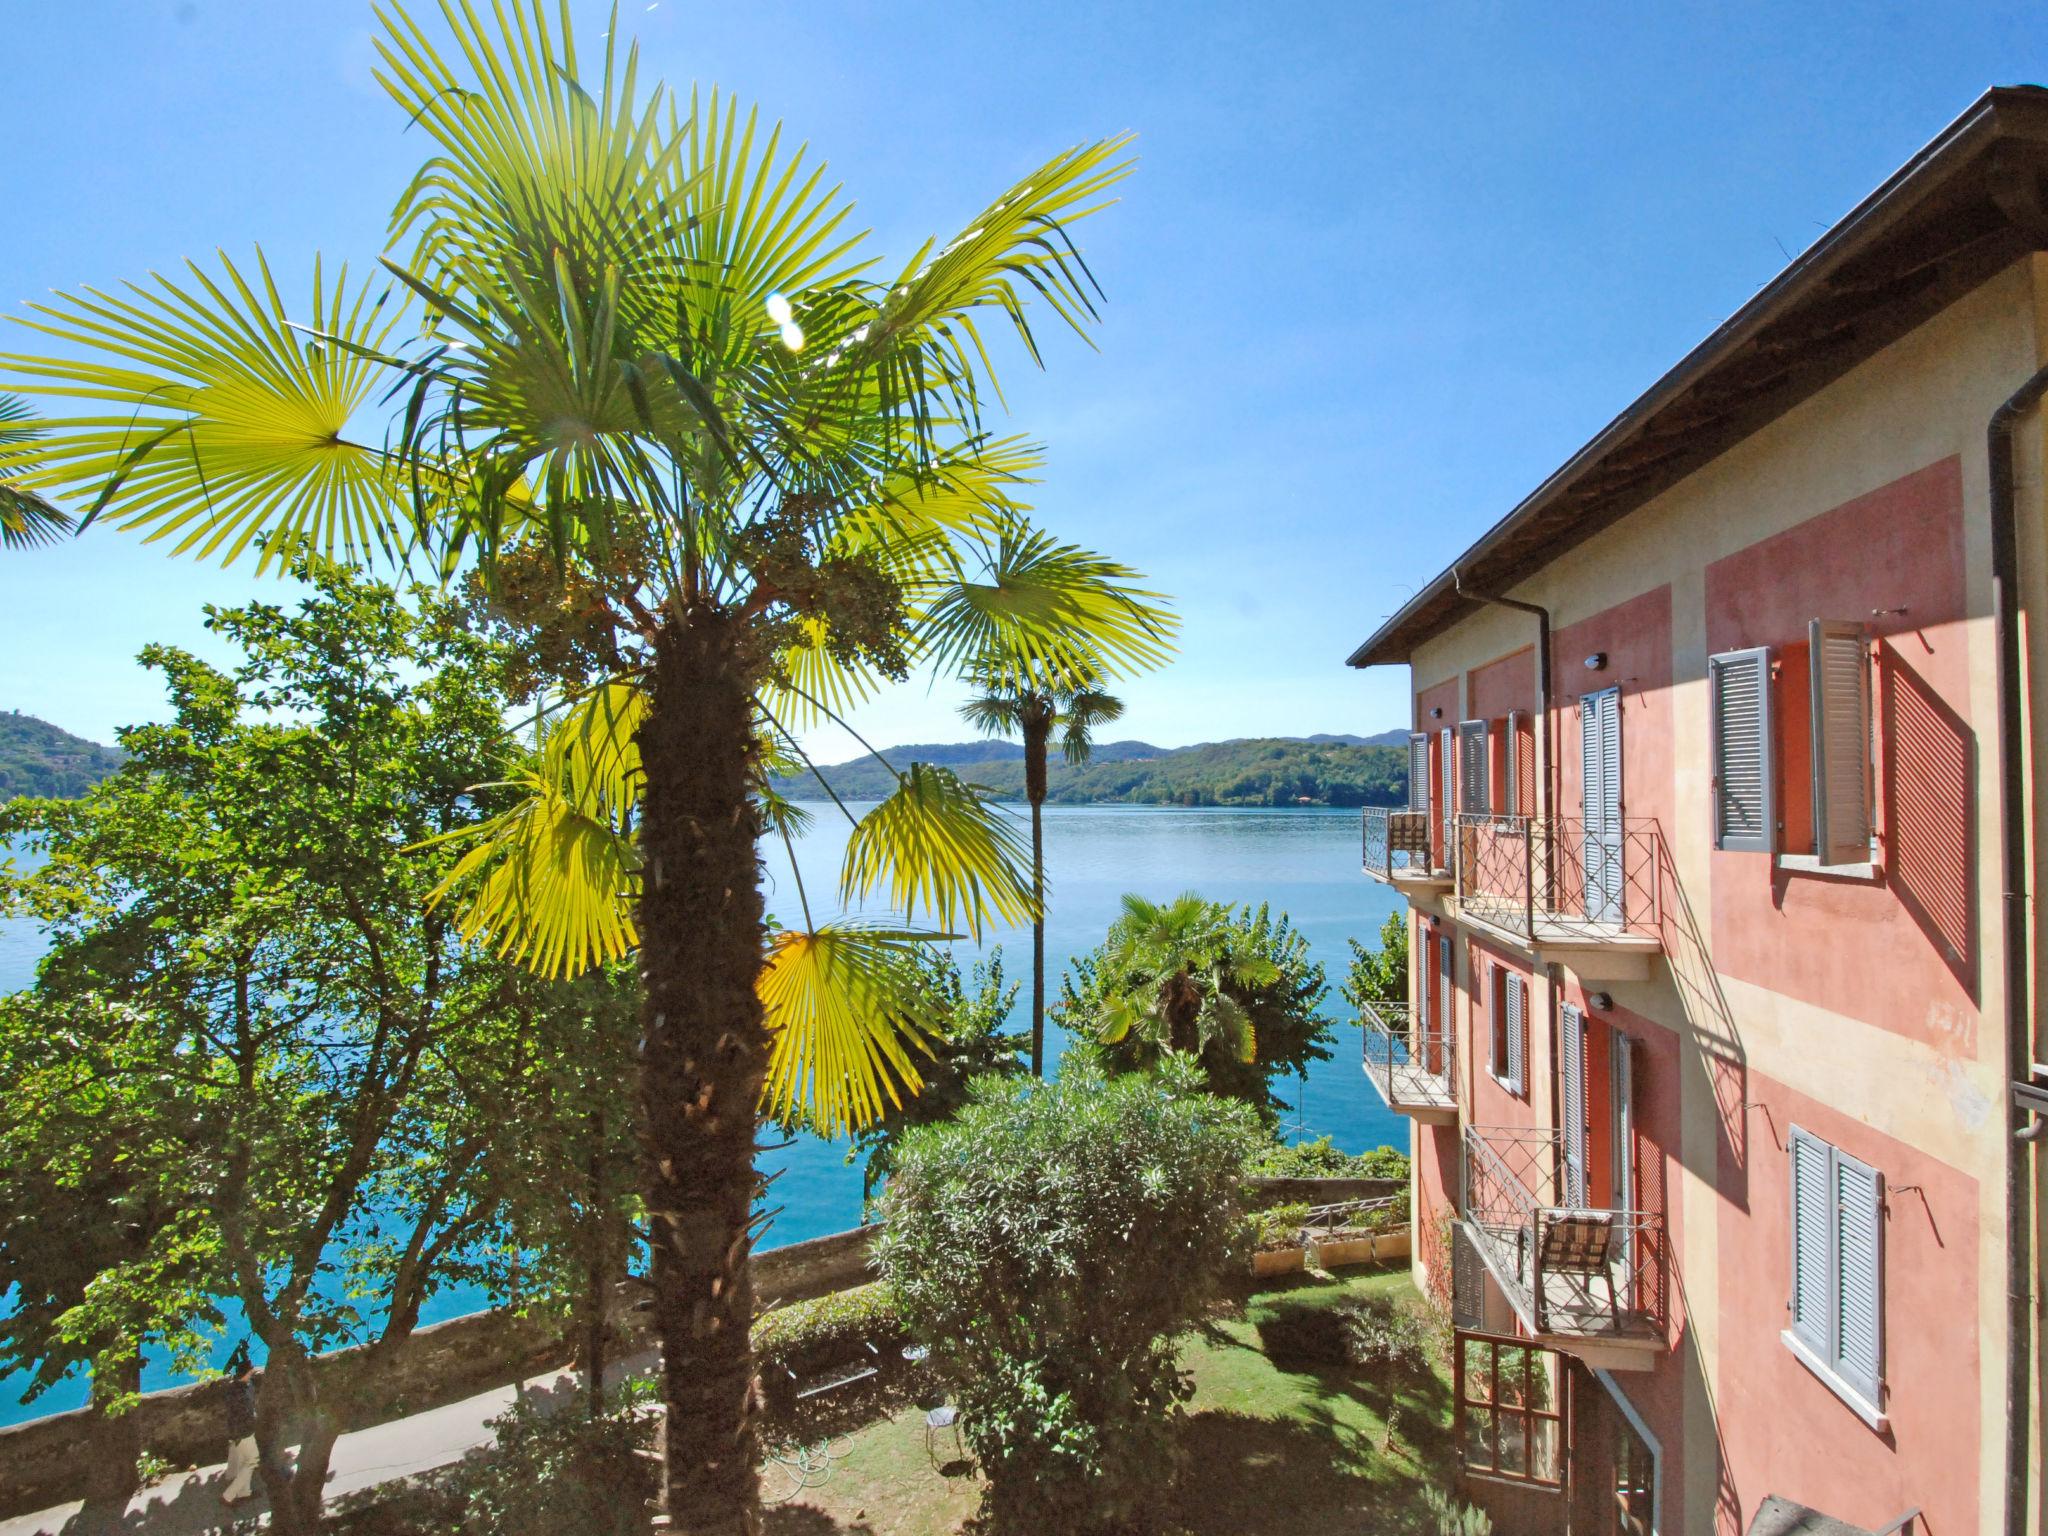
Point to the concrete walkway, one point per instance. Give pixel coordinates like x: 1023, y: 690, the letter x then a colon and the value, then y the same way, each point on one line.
x: 188, y: 1503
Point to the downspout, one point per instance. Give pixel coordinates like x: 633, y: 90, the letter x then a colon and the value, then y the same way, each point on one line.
x: 2012, y: 804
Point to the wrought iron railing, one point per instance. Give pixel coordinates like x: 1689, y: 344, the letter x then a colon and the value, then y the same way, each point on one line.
x: 1409, y: 1058
x: 1512, y: 1181
x: 1531, y: 875
x: 1396, y: 843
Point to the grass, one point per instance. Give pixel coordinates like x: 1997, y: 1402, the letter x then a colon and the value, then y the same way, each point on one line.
x: 1273, y: 1446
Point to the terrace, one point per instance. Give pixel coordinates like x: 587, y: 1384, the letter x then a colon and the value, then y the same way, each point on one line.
x: 1411, y: 1060
x: 1582, y: 1278
x: 1593, y: 902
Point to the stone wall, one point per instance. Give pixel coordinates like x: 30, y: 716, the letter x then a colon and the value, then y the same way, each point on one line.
x: 48, y: 1461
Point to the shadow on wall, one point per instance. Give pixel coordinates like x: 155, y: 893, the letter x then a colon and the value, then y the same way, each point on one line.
x: 1929, y: 828
x: 1710, y: 1027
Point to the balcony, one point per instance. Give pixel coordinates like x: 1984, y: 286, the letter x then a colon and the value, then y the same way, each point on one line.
x: 1588, y: 1280
x: 1540, y: 884
x: 1398, y: 851
x: 1411, y: 1063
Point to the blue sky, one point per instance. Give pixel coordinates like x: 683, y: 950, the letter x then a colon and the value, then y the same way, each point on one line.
x: 1380, y: 270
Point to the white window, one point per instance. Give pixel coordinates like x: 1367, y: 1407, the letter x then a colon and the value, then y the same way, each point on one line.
x: 1837, y: 1281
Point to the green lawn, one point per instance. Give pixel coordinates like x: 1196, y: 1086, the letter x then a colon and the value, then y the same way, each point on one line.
x: 1272, y: 1449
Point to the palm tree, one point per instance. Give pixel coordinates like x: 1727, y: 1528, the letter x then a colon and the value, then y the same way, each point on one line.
x: 26, y: 519
x: 732, y: 478
x: 1168, y: 975
x: 1007, y: 705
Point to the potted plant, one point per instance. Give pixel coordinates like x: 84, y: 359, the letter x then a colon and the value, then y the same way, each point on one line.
x: 1277, y: 1244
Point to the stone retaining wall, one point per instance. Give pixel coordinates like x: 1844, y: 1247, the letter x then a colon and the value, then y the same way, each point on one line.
x: 50, y: 1460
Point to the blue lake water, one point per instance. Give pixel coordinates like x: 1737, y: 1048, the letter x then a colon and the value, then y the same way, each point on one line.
x: 1303, y: 862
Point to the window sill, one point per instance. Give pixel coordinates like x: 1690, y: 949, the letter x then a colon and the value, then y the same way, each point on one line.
x: 1856, y: 1402
x: 1809, y: 864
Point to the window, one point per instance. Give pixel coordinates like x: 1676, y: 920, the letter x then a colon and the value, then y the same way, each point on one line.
x: 1807, y: 792
x: 1510, y: 1028
x: 1509, y: 1416
x: 1418, y: 772
x: 1837, y: 1282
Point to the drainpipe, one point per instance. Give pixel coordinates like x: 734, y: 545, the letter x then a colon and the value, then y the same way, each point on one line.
x: 2012, y: 804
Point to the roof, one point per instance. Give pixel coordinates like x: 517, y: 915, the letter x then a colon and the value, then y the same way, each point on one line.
x: 1962, y: 210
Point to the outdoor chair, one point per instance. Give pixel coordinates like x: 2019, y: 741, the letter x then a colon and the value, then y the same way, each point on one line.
x: 1580, y: 1242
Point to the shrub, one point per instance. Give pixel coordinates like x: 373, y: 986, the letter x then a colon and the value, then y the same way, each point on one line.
x: 1390, y: 1340
x: 1322, y: 1159
x: 805, y: 1331
x: 1453, y: 1518
x: 1049, y: 1246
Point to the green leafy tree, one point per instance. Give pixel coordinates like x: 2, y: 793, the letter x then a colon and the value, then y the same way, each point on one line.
x: 1380, y: 975
x: 1050, y: 1246
x: 1231, y: 988
x: 1008, y: 704
x: 254, y: 991
x: 696, y: 443
x: 968, y: 1042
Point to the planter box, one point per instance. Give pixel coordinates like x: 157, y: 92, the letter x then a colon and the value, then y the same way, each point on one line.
x: 1279, y: 1261
x: 1364, y: 1248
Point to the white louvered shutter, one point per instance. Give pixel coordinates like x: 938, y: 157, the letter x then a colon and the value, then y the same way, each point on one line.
x: 1859, y: 1278
x: 1468, y: 1282
x: 1418, y: 771
x: 1515, y: 1004
x: 1812, y: 1244
x: 1572, y: 1082
x: 1447, y: 809
x: 1739, y: 686
x: 1472, y: 778
x: 1840, y: 664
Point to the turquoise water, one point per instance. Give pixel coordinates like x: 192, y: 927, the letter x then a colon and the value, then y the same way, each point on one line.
x: 1304, y: 862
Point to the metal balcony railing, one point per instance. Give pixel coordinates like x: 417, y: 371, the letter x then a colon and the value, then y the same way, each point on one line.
x: 1546, y: 878
x: 1594, y: 1272
x: 1397, y: 844
x: 1410, y: 1060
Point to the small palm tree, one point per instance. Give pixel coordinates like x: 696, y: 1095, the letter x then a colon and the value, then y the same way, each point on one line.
x: 1169, y: 973
x: 1007, y: 706
x: 26, y: 519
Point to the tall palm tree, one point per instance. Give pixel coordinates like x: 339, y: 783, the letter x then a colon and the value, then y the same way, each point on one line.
x: 1008, y: 705
x: 732, y: 477
x: 26, y: 519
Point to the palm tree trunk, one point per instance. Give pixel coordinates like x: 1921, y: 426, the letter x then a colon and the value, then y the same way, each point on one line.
x: 1037, y: 942
x: 596, y: 1234
x: 704, y: 1054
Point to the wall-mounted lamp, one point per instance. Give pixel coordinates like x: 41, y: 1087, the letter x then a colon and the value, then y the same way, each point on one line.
x: 1600, y: 1002
x: 1437, y: 713
x: 1596, y: 661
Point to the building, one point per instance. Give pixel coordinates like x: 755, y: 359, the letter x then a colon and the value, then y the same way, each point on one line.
x: 1720, y: 1049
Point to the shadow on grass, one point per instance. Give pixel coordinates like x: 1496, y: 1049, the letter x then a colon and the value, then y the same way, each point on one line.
x: 1249, y: 1476
x: 806, y: 1520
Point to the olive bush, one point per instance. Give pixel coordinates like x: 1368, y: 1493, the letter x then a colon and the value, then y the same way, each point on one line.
x: 1050, y: 1246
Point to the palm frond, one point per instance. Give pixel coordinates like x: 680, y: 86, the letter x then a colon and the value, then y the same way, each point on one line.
x: 845, y: 1008
x: 205, y: 415
x: 26, y: 519
x: 937, y: 845
x: 554, y: 887
x: 1046, y: 615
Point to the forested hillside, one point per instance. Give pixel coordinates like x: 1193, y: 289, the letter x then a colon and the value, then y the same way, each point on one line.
x: 1258, y: 771
x: 36, y: 758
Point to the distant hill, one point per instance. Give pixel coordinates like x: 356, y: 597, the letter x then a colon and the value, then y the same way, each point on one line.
x: 1278, y: 770
x: 36, y: 758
